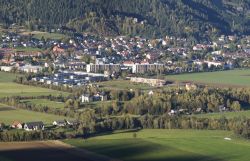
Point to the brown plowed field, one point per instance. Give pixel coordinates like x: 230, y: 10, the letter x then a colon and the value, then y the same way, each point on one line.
x: 38, y: 151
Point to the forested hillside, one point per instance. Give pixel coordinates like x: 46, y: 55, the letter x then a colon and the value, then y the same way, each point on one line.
x: 152, y: 18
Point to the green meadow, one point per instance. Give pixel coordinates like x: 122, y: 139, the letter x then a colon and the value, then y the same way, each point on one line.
x: 9, y: 114
x: 47, y: 35
x: 7, y: 77
x: 9, y: 88
x: 168, y: 145
x: 45, y: 102
x: 226, y: 114
x: 124, y: 85
x: 28, y: 49
x: 225, y: 78
x: 13, y: 89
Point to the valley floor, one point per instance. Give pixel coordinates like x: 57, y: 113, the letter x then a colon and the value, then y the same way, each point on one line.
x: 168, y: 145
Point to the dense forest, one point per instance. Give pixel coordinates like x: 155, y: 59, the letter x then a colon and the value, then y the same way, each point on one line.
x: 151, y: 18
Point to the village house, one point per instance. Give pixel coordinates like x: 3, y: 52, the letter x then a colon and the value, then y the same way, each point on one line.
x: 6, y: 68
x: 190, y: 86
x: 172, y: 113
x: 16, y: 125
x: 100, y: 97
x: 33, y: 126
x: 151, y: 93
x: 58, y: 49
x: 30, y: 69
x: 86, y: 98
x: 72, y: 123
x: 97, y: 97
x: 60, y: 123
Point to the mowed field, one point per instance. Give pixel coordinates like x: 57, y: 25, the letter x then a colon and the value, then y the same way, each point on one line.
x: 45, y: 35
x: 226, y: 78
x: 13, y: 89
x: 7, y: 77
x: 168, y: 145
x: 9, y: 114
x: 9, y: 88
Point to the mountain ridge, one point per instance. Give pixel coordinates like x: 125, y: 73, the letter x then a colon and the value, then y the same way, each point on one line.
x: 150, y: 18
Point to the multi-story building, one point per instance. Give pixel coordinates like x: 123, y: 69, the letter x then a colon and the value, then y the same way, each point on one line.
x: 101, y: 68
x: 144, y: 68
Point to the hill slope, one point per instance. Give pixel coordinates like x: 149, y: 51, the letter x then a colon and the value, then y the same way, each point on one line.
x: 196, y: 18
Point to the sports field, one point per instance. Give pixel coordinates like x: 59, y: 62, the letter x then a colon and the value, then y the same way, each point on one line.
x: 9, y: 114
x: 225, y: 78
x: 168, y: 145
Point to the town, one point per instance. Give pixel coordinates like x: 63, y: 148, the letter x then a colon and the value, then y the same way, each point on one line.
x: 83, y: 58
x: 124, y: 80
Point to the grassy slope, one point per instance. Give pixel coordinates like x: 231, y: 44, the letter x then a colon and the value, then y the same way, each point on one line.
x: 124, y: 84
x: 8, y: 88
x: 13, y: 89
x: 226, y: 114
x: 45, y: 102
x: 46, y: 35
x: 8, y: 115
x: 7, y: 77
x: 232, y: 77
x: 169, y: 145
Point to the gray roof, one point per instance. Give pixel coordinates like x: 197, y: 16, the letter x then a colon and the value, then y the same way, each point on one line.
x: 31, y: 125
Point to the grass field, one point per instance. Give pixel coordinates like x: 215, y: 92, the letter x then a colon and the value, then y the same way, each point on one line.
x: 231, y: 78
x: 8, y: 115
x: 124, y: 84
x: 168, y: 145
x: 13, y: 89
x: 45, y: 102
x: 9, y: 88
x: 226, y: 114
x: 28, y: 49
x: 46, y: 35
x: 7, y: 77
